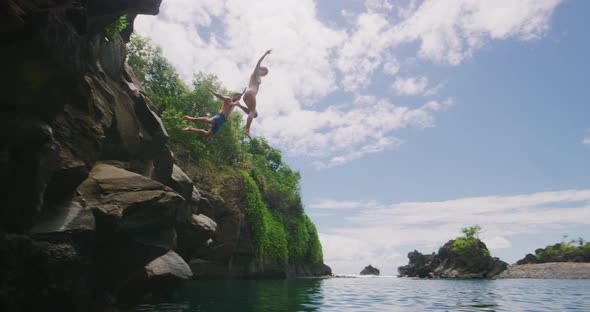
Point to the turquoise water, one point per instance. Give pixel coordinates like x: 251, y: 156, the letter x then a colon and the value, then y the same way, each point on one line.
x: 379, y: 294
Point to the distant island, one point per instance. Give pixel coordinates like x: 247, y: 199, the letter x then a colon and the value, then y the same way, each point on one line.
x: 565, y: 260
x: 464, y: 257
x: 560, y: 252
x: 468, y: 257
x: 370, y: 270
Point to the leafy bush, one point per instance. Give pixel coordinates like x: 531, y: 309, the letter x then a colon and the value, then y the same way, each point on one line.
x: 269, y: 233
x: 111, y: 30
x: 565, y: 251
x: 463, y: 244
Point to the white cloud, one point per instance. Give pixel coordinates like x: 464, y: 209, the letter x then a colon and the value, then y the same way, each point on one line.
x: 391, y: 66
x: 312, y: 59
x: 448, y: 31
x: 451, y: 30
x: 410, y: 86
x: 394, y: 229
x: 437, y: 106
x: 334, y: 204
x: 434, y: 90
x: 587, y: 138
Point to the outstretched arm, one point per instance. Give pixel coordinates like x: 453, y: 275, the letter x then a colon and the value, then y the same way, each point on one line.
x: 260, y: 61
x: 218, y: 95
x: 244, y: 108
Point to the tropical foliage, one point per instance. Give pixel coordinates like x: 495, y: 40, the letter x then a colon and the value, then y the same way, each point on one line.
x: 576, y: 250
x: 280, y: 227
x: 464, y: 243
x: 114, y: 28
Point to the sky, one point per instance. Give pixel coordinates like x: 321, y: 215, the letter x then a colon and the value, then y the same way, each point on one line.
x: 410, y: 120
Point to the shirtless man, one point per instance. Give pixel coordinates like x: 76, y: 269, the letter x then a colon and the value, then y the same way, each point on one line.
x: 219, y: 119
x: 252, y: 91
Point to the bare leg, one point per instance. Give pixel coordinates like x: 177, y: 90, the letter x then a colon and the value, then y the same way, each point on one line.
x: 198, y: 119
x: 246, y: 110
x: 250, y: 100
x: 199, y: 131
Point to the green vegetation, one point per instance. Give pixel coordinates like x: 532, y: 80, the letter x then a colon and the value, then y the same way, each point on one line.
x: 577, y: 250
x: 463, y: 244
x: 111, y: 30
x: 272, y: 201
x: 268, y: 231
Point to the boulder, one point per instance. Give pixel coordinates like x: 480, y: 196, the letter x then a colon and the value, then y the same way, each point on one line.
x: 370, y: 270
x: 127, y: 203
x: 168, y: 265
x: 195, y: 239
x: 204, y: 224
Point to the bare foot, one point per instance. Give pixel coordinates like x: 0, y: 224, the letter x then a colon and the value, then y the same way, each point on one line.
x: 247, y: 134
x: 185, y: 117
x: 189, y: 128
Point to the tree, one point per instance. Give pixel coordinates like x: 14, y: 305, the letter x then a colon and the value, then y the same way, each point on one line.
x: 471, y: 232
x: 157, y: 76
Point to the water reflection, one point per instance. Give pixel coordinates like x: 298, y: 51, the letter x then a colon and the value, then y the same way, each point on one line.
x: 379, y: 294
x: 295, y: 295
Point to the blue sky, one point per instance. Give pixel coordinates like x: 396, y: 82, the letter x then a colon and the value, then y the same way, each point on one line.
x: 411, y: 119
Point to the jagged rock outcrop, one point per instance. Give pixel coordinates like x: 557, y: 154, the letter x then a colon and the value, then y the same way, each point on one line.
x: 370, y: 270
x: 448, y: 263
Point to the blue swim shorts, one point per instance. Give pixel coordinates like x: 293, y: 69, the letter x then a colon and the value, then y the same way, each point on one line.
x: 218, y: 121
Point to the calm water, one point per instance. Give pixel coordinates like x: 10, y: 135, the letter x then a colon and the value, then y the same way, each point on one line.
x: 379, y: 294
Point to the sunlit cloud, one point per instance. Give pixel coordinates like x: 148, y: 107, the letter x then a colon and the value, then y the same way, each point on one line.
x: 381, y: 230
x: 313, y: 59
x: 410, y: 86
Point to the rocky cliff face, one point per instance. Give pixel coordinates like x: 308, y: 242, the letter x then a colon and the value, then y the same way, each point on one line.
x: 472, y: 263
x: 94, y: 212
x: 232, y: 252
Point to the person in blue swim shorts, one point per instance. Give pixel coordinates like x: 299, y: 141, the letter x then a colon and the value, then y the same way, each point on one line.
x: 219, y: 119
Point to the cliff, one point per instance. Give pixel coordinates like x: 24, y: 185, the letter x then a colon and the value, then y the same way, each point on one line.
x: 95, y: 213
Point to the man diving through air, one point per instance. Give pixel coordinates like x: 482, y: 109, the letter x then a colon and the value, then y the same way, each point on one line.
x: 219, y: 119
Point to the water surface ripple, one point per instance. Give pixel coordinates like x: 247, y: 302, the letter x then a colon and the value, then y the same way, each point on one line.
x: 378, y: 294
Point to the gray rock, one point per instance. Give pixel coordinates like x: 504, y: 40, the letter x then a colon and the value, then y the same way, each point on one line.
x: 170, y: 264
x: 129, y: 203
x: 204, y: 224
x: 65, y: 216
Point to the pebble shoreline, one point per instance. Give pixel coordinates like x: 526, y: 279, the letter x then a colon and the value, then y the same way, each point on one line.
x: 552, y: 270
